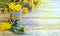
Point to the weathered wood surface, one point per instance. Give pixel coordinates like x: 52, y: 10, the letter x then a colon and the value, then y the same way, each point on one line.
x: 4, y: 17
x: 42, y: 20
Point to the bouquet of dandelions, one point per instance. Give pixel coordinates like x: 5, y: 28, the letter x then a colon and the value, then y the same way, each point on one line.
x: 8, y: 21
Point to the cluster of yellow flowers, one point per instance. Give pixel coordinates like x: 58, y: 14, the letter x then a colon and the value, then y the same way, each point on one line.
x: 24, y: 5
x: 30, y: 5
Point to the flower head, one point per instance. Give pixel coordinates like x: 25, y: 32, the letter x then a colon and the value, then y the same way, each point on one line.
x: 24, y: 28
x: 14, y: 7
x: 25, y: 10
x: 5, y: 26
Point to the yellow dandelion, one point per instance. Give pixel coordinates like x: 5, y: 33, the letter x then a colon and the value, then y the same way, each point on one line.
x: 25, y: 10
x: 18, y: 7
x: 5, y: 26
x: 24, y: 28
x: 14, y: 7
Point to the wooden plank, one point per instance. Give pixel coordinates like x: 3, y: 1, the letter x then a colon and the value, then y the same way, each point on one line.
x: 4, y: 17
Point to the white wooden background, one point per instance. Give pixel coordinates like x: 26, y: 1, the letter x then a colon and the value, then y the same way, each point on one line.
x: 42, y: 20
x: 47, y: 13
